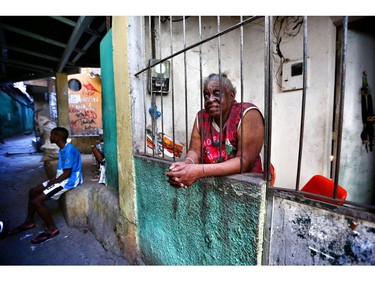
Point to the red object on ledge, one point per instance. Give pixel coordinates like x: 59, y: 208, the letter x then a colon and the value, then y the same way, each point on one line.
x: 323, y: 186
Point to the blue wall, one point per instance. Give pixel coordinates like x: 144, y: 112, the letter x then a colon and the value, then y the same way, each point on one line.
x: 15, y: 118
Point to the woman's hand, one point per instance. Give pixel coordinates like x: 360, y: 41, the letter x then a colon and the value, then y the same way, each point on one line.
x: 183, y: 175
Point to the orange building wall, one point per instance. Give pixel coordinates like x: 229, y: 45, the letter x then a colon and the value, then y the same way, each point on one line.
x: 85, y: 105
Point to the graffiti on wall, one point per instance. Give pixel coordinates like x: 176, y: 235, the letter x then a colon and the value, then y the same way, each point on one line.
x: 85, y: 104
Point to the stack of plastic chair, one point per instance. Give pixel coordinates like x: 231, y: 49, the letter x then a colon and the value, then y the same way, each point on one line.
x: 323, y: 186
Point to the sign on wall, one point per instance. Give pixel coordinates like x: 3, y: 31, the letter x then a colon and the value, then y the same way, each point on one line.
x: 85, y: 104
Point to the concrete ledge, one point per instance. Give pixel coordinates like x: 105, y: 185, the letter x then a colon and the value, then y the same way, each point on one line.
x: 102, y: 218
x: 94, y: 206
x: 74, y: 205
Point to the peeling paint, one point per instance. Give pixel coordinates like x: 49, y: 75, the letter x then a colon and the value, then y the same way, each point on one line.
x: 319, y: 252
x: 320, y: 237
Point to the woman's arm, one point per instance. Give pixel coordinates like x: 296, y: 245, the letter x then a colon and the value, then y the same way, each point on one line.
x: 181, y: 174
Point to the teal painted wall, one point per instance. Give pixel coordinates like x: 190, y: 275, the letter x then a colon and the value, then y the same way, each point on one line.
x: 214, y: 222
x: 14, y: 117
x: 109, y: 111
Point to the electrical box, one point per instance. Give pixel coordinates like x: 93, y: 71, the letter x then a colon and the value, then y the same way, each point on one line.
x: 159, y: 76
x: 292, y: 75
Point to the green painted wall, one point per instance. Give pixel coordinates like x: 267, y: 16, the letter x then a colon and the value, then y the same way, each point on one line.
x: 214, y: 222
x: 109, y: 110
x: 14, y: 117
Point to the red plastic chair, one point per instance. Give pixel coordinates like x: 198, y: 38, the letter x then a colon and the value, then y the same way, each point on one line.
x: 324, y: 186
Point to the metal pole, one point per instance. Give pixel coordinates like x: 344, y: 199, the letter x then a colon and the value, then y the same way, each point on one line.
x: 242, y: 92
x: 342, y: 98
x: 186, y: 100
x: 172, y: 88
x: 304, y: 75
x: 267, y: 97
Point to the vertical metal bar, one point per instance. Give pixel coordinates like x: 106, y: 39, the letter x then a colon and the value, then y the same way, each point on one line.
x: 221, y: 106
x: 341, y: 108
x: 302, y: 128
x: 267, y: 97
x: 172, y: 86
x: 153, y: 121
x: 161, y: 90
x: 200, y: 79
x: 185, y: 73
x: 242, y: 92
x: 143, y: 37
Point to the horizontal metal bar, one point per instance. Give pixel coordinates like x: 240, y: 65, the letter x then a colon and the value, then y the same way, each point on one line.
x: 366, y: 207
x: 233, y: 27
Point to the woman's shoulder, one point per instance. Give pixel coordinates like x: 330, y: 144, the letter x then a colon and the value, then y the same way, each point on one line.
x: 244, y: 104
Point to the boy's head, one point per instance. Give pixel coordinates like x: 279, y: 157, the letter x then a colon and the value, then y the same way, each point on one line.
x: 59, y: 132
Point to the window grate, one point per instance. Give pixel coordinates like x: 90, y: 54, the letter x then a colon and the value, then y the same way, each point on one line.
x: 162, y: 49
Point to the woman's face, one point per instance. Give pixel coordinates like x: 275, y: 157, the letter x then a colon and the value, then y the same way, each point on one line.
x: 216, y: 95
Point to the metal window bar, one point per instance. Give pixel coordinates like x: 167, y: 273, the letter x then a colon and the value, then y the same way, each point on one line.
x: 161, y: 91
x: 304, y: 85
x: 144, y: 86
x: 185, y: 85
x: 267, y: 96
x: 220, y: 89
x: 341, y: 109
x: 201, y: 78
x: 153, y: 95
x: 241, y: 90
x: 172, y: 87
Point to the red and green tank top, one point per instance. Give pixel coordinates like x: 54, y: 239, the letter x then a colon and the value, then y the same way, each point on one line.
x: 210, y: 132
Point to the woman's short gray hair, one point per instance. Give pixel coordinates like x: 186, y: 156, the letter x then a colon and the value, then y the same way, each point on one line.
x: 223, y: 78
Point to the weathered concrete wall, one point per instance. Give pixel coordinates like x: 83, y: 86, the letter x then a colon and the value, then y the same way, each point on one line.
x: 62, y: 100
x: 83, y: 143
x: 217, y: 221
x: 306, y: 235
x: 102, y: 218
x: 126, y: 221
x: 357, y: 166
x: 93, y: 206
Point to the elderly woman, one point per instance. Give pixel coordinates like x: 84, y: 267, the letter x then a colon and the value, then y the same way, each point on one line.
x: 218, y: 143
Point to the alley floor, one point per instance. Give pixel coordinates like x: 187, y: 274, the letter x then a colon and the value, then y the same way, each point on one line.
x: 20, y: 169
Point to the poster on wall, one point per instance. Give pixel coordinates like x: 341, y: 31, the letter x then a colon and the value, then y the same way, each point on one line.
x: 85, y: 103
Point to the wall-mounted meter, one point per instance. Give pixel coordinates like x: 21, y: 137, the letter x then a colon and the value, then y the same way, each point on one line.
x: 292, y: 77
x: 159, y: 75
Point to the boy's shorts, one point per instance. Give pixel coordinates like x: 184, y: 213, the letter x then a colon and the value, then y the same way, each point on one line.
x: 54, y: 191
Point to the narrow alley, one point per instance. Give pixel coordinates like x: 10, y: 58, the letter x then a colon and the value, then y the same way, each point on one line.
x: 20, y: 169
